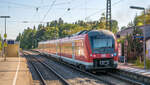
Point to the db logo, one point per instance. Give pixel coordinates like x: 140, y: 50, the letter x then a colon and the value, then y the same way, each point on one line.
x: 103, y: 55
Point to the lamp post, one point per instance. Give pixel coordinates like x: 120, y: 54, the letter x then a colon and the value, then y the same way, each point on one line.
x: 142, y: 8
x: 5, y: 36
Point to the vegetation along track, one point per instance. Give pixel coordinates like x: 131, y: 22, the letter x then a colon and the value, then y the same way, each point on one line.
x: 108, y: 78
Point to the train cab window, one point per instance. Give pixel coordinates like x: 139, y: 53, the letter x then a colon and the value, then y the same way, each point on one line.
x: 102, y: 45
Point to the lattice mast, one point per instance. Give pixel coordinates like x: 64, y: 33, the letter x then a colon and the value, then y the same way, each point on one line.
x: 108, y: 15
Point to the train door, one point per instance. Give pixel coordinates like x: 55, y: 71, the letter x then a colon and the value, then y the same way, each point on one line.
x: 73, y: 50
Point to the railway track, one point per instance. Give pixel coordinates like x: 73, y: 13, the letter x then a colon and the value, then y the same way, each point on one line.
x: 72, y: 76
x: 109, y: 78
x: 50, y: 70
x: 42, y: 81
x: 114, y: 76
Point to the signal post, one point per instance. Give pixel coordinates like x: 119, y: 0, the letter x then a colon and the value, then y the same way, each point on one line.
x: 5, y: 36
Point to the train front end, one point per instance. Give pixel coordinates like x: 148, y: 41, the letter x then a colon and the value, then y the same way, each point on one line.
x: 102, y: 50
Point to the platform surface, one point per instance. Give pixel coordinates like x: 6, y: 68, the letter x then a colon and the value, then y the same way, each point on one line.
x: 134, y: 69
x: 14, y: 71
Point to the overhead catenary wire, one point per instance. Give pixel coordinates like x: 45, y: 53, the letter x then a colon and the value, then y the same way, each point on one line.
x: 58, y: 4
x: 48, y: 10
x: 19, y: 4
x: 34, y: 15
x: 115, y: 3
x: 61, y: 3
x: 66, y: 9
x: 70, y: 8
x: 85, y: 9
x: 39, y: 7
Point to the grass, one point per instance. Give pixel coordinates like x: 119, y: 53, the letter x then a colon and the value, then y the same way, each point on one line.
x: 141, y: 64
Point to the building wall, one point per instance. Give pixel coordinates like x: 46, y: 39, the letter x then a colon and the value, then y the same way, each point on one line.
x: 147, y: 30
x: 12, y: 50
x: 130, y: 30
x: 148, y: 48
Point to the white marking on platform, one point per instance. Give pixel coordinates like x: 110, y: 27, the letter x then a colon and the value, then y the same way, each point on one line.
x: 142, y: 71
x: 146, y: 73
x: 135, y: 70
x: 16, y: 75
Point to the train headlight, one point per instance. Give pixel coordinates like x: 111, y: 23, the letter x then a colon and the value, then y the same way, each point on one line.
x: 112, y: 55
x: 115, y: 54
x: 94, y: 55
x: 90, y: 54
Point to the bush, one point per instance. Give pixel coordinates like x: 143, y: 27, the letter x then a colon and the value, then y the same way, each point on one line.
x: 141, y: 64
x: 147, y: 63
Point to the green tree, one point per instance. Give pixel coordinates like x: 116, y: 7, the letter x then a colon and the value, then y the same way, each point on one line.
x: 102, y: 22
x: 115, y: 27
x: 0, y: 42
x: 26, y: 41
x: 139, y: 20
x: 19, y: 37
x: 123, y: 27
x: 58, y: 29
x: 0, y: 38
x: 135, y: 45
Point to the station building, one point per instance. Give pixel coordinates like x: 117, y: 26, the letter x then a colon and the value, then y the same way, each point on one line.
x: 129, y: 30
x: 11, y: 49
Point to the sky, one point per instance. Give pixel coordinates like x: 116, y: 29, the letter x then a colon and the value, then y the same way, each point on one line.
x: 27, y: 13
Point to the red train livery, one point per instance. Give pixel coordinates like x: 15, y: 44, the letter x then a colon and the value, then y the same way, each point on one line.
x: 90, y: 50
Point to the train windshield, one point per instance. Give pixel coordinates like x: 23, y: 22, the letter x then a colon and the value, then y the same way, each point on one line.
x: 102, y: 45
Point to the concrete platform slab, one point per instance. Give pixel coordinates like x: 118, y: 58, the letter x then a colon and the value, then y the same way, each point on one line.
x: 14, y: 71
x: 134, y: 69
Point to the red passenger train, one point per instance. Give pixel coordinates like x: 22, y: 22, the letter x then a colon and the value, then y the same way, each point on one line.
x: 90, y: 50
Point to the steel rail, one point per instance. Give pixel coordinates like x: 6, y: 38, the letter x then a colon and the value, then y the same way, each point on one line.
x: 38, y: 72
x: 84, y: 72
x: 51, y: 69
x: 102, y: 79
x: 87, y: 73
x: 113, y: 75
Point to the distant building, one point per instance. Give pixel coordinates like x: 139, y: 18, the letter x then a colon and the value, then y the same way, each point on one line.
x: 12, y: 49
x: 129, y: 30
x: 10, y: 41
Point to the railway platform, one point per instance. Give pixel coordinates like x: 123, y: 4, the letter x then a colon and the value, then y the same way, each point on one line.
x: 133, y: 72
x: 134, y: 69
x: 14, y: 71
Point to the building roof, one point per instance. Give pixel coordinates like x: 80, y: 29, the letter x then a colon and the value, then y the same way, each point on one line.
x: 129, y: 30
